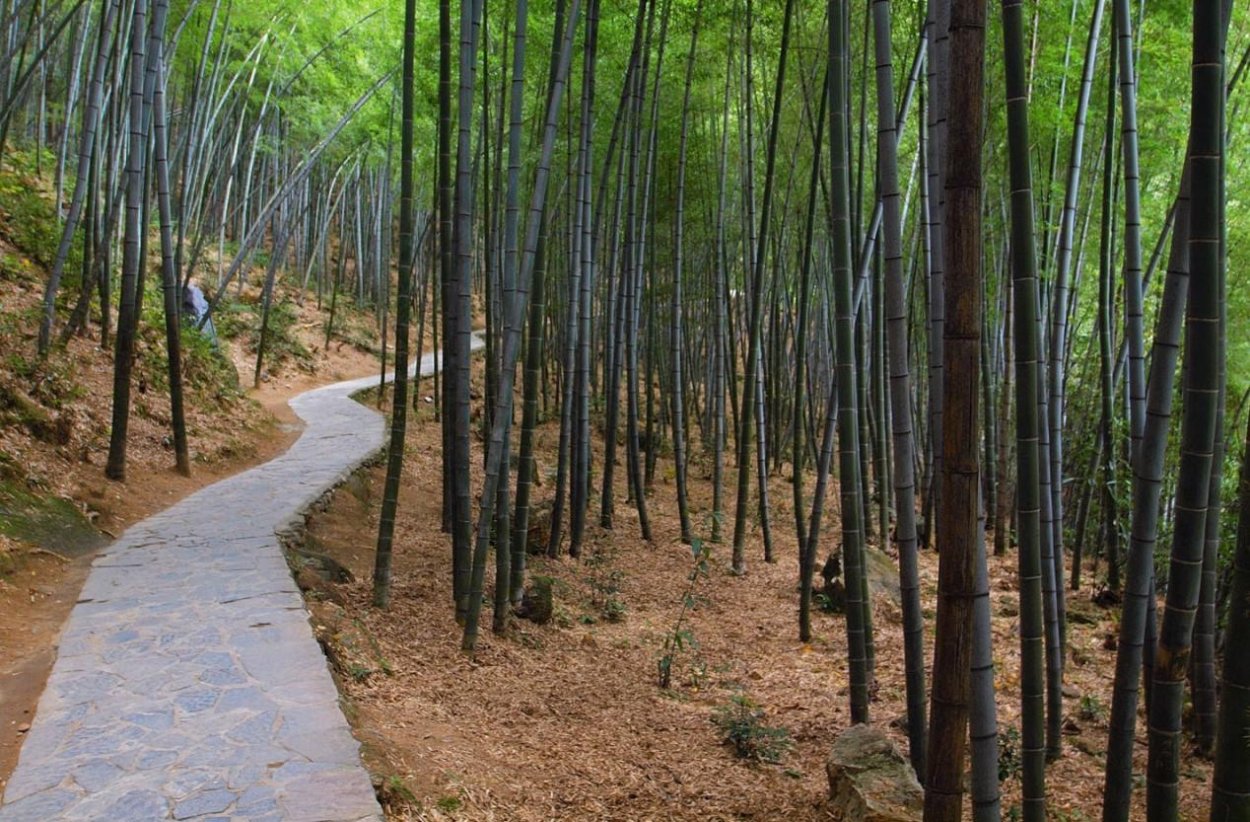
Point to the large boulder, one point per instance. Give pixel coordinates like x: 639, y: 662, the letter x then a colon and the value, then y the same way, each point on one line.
x: 869, y: 781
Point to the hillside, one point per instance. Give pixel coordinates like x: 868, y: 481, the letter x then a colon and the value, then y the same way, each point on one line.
x: 56, y: 506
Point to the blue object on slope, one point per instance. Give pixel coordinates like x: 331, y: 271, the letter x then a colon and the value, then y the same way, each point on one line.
x: 195, y: 309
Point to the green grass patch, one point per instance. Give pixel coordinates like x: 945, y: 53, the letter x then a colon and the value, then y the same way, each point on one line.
x: 29, y: 221
x: 240, y: 320
x: 358, y: 329
x: 207, y: 374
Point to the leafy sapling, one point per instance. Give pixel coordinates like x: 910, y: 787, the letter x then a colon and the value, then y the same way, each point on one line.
x: 682, y: 636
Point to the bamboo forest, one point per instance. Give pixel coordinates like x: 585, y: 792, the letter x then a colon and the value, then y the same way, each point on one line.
x: 624, y: 409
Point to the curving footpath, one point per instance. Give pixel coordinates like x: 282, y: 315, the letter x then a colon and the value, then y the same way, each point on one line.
x: 188, y: 683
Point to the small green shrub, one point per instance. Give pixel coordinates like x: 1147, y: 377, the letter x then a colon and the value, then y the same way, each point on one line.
x: 395, y: 792
x: 681, y: 636
x: 1009, y: 764
x: 613, y: 609
x: 1092, y: 709
x: 741, y: 725
x: 605, y: 584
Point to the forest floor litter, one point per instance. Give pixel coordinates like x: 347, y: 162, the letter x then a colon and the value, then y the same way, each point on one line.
x: 566, y: 720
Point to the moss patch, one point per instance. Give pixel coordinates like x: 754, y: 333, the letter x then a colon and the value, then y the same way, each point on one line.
x: 49, y: 522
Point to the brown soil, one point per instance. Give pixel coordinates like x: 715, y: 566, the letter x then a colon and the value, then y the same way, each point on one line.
x: 566, y: 721
x: 34, y: 602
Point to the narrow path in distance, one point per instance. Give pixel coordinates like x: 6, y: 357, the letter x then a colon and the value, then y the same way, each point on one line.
x: 188, y: 682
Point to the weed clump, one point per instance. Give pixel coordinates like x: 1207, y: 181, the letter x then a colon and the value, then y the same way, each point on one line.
x: 741, y: 725
x: 605, y: 586
x: 1010, y: 764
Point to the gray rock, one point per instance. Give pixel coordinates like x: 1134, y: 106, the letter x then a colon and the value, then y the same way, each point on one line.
x: 882, y: 576
x: 869, y: 781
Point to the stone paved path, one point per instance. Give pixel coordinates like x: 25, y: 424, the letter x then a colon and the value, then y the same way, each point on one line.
x: 188, y: 684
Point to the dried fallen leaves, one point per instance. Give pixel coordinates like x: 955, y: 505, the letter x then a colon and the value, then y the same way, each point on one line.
x: 564, y: 721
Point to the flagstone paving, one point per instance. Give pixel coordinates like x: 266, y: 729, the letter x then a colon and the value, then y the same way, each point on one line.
x: 188, y: 683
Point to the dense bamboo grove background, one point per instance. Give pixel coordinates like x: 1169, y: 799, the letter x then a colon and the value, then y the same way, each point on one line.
x: 990, y: 253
